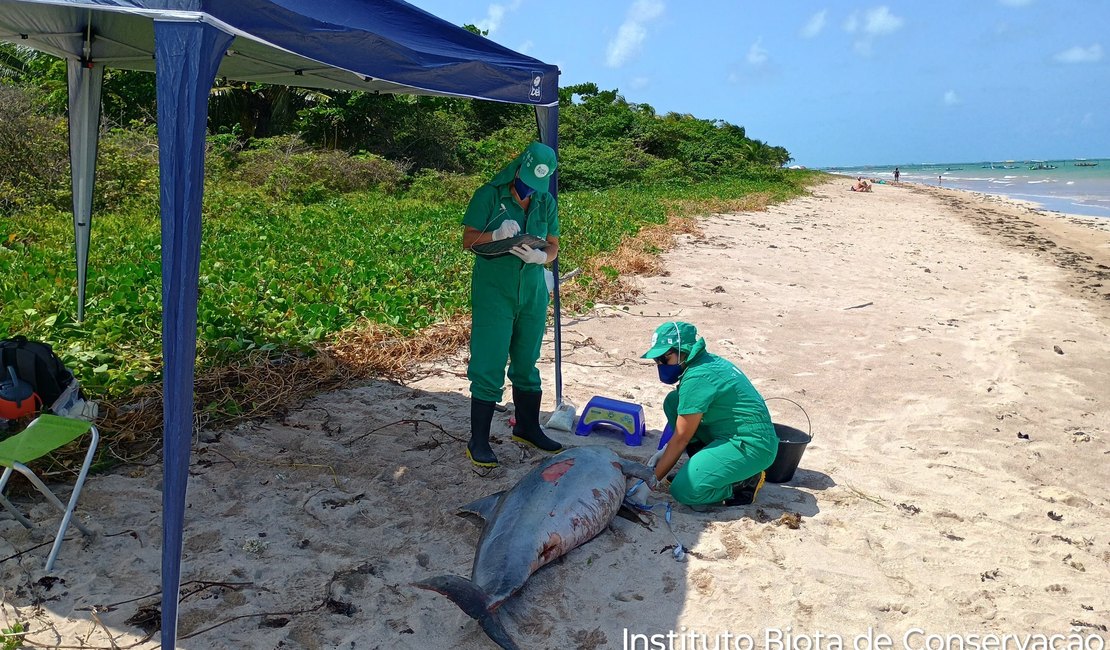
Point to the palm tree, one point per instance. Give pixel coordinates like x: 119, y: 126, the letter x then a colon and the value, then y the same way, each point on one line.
x: 259, y: 110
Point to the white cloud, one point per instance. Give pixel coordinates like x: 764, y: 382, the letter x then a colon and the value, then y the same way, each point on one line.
x: 951, y: 98
x: 879, y: 21
x: 631, y: 34
x: 525, y: 47
x: 1079, y: 54
x: 815, y: 24
x: 873, y: 23
x: 495, y: 14
x: 1016, y: 3
x: 757, y: 55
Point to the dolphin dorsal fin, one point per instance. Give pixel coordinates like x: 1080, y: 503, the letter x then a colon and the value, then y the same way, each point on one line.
x: 483, y: 507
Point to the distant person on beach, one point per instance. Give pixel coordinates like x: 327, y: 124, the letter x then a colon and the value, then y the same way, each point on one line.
x: 939, y: 177
x: 718, y: 418
x: 896, y: 174
x: 861, y: 185
x: 508, y: 297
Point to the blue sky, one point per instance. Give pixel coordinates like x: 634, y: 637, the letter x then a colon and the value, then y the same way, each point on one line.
x: 839, y: 83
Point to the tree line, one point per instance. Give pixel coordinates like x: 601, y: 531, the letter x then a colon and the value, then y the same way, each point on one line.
x: 605, y: 140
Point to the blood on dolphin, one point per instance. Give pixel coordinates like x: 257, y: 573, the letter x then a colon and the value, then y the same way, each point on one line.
x: 556, y: 471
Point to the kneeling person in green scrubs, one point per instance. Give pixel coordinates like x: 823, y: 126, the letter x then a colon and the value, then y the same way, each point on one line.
x: 719, y: 419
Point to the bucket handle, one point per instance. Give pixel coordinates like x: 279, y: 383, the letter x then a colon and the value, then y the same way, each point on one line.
x: 809, y: 424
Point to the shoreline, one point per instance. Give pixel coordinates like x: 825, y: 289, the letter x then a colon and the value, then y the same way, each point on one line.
x: 1046, y: 203
x: 947, y: 349
x: 1079, y: 243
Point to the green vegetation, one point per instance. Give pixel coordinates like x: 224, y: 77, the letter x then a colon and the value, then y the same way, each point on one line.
x: 321, y: 210
x: 11, y: 637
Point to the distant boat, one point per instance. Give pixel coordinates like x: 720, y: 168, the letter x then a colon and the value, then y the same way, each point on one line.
x: 1040, y: 166
x: 1008, y: 167
x: 1086, y: 163
x: 954, y: 169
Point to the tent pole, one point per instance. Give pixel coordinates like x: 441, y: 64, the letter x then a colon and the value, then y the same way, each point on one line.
x: 547, y: 119
x: 187, y: 56
x: 85, y: 81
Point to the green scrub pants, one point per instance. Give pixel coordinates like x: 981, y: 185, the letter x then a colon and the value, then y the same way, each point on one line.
x: 708, y: 475
x: 508, y: 319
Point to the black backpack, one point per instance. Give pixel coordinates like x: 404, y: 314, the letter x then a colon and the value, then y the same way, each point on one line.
x: 36, y: 364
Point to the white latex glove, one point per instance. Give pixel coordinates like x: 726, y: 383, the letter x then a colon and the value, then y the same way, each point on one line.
x: 549, y: 279
x: 507, y: 229
x: 529, y: 255
x: 654, y: 460
x: 639, y: 494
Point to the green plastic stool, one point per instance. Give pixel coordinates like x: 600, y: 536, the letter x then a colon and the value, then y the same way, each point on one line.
x: 45, y: 434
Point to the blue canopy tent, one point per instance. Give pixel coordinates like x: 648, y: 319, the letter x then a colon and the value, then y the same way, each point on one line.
x: 384, y: 46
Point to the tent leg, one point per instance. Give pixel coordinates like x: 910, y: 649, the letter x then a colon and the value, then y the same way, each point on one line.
x: 85, y: 81
x: 188, y: 55
x: 547, y: 119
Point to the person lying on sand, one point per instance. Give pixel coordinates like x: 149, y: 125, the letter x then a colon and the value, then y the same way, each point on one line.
x: 719, y: 419
x: 861, y: 185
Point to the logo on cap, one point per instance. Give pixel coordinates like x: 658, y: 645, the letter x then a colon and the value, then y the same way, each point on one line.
x: 540, y: 170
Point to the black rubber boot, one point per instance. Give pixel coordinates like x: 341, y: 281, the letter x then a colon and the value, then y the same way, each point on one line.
x: 478, y: 449
x: 527, y: 428
x: 744, y: 492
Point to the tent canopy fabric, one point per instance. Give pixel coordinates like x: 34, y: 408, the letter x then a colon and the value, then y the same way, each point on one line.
x: 371, y: 45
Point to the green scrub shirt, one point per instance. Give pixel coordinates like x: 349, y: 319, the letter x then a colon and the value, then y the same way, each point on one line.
x: 508, y: 298
x: 735, y: 427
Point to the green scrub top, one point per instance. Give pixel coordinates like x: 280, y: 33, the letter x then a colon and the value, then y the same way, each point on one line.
x: 730, y: 406
x: 492, y: 205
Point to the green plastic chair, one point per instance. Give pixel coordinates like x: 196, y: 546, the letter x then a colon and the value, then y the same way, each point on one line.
x: 45, y: 434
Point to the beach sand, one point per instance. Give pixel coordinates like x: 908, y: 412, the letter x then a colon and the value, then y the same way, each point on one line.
x: 951, y: 351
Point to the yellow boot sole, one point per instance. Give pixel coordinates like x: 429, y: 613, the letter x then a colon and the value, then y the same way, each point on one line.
x: 535, y: 446
x: 479, y: 463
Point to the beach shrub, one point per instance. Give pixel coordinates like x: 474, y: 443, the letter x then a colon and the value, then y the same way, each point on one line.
x: 435, y: 186
x: 34, y: 159
x: 610, y: 163
x: 287, y: 168
x: 34, y: 153
x: 126, y: 168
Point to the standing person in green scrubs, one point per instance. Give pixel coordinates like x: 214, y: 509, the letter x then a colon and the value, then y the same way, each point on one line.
x: 719, y: 419
x: 508, y: 297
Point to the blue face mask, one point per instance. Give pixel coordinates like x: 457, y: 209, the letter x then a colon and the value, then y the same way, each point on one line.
x: 522, y: 188
x: 670, y: 374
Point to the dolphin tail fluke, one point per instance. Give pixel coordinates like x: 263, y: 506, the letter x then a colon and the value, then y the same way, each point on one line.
x: 475, y: 602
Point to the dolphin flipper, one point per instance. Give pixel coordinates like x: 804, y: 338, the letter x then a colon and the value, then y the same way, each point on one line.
x: 475, y: 602
x: 637, y: 470
x: 483, y: 507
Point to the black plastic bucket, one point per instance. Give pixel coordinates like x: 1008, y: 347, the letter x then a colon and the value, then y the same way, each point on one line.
x: 792, y: 444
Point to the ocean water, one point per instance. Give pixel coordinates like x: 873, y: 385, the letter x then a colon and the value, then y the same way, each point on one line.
x: 1071, y: 188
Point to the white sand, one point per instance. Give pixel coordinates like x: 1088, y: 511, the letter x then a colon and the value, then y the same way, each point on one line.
x: 917, y: 327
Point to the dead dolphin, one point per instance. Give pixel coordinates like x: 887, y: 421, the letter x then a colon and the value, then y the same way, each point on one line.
x: 562, y: 503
